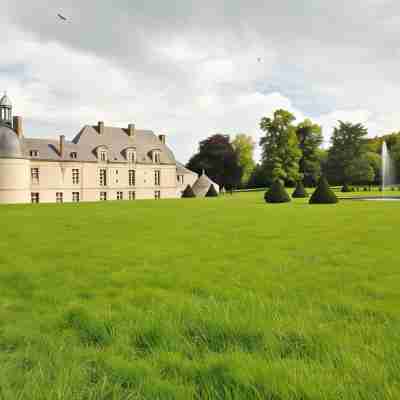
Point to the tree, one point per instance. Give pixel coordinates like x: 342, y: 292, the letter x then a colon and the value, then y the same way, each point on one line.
x: 360, y: 171
x: 280, y: 147
x: 220, y: 161
x: 212, y: 192
x: 310, y: 139
x: 188, y: 192
x: 244, y: 147
x: 277, y: 193
x: 375, y: 161
x: 258, y: 178
x: 323, y: 194
x: 348, y: 147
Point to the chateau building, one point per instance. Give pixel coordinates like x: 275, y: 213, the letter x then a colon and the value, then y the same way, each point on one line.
x: 99, y: 163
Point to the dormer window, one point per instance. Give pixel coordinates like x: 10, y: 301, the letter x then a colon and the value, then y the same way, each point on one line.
x: 131, y: 155
x: 34, y: 153
x: 102, y: 155
x: 156, y: 157
x: 74, y: 154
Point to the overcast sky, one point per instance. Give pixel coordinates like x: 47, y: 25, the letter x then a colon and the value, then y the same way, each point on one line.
x: 190, y: 68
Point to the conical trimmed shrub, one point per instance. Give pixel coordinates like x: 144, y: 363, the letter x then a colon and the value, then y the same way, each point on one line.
x: 346, y: 188
x: 323, y: 194
x: 277, y: 193
x: 300, y: 191
x: 188, y: 192
x: 212, y: 192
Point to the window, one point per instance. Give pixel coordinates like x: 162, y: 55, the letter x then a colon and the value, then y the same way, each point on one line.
x: 156, y: 157
x: 132, y: 177
x: 103, y: 196
x: 34, y: 153
x: 103, y: 177
x: 75, y: 176
x: 132, y: 195
x: 157, y: 195
x: 131, y: 156
x: 120, y: 195
x: 180, y: 179
x: 103, y: 155
x: 75, y: 197
x: 35, y: 175
x: 35, y: 198
x: 59, y: 197
x: 157, y: 178
x: 74, y: 154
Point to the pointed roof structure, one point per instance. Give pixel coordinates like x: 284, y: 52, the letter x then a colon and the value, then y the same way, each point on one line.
x: 202, y: 185
x: 5, y: 101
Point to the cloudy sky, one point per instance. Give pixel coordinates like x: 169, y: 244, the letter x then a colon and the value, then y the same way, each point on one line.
x: 190, y: 68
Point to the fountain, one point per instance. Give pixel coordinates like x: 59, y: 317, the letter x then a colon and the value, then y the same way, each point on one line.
x: 388, y: 175
x: 388, y: 170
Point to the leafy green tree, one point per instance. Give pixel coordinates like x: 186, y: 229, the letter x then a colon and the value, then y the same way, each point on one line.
x: 360, y: 171
x: 348, y: 150
x: 244, y: 147
x: 375, y: 161
x: 280, y: 147
x: 310, y: 139
x: 258, y: 178
x: 218, y: 158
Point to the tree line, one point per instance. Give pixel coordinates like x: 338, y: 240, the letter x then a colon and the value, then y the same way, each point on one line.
x: 292, y: 152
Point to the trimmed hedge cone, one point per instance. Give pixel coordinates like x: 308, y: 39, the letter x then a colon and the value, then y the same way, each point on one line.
x: 299, y: 192
x: 188, y: 192
x: 212, y: 192
x: 277, y: 193
x: 346, y: 188
x: 323, y: 194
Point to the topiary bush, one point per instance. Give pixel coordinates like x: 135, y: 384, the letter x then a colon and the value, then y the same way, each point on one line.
x: 188, y: 192
x: 212, y: 192
x: 346, y: 188
x: 277, y: 193
x: 323, y: 194
x: 300, y: 191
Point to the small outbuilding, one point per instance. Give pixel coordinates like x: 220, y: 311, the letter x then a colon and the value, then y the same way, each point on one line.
x: 202, y: 185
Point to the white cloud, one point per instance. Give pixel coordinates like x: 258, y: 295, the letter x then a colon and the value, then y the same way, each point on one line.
x: 192, y: 71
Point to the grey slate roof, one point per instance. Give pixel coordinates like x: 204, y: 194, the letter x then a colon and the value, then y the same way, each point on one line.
x: 116, y: 140
x: 181, y: 169
x: 10, y: 145
x: 5, y: 101
x: 201, y: 186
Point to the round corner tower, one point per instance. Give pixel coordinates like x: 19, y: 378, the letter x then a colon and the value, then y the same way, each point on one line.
x: 14, y: 167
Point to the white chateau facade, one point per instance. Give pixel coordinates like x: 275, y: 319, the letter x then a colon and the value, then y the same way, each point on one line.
x: 100, y: 163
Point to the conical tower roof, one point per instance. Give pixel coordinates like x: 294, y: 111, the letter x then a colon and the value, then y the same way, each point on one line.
x: 5, y: 101
x: 202, y: 185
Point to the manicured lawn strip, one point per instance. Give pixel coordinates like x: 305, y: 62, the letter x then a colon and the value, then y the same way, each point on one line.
x: 219, y: 298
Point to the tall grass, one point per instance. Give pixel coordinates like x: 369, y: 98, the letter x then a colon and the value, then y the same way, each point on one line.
x: 225, y: 298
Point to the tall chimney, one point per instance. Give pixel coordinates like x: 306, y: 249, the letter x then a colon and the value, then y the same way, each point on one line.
x: 62, y: 145
x: 100, y: 127
x: 17, y: 125
x: 131, y: 129
x: 161, y: 138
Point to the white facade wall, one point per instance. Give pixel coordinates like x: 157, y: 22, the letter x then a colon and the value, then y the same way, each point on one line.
x: 16, y: 184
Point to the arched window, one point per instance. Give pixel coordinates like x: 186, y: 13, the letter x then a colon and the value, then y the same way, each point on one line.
x: 102, y: 154
x: 131, y: 155
x: 156, y: 157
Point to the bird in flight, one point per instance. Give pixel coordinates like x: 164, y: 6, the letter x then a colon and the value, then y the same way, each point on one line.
x: 61, y: 17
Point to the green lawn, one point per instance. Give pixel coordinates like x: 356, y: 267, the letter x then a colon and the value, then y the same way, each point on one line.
x: 226, y: 298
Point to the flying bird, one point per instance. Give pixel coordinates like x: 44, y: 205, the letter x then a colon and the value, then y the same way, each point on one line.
x: 62, y: 17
